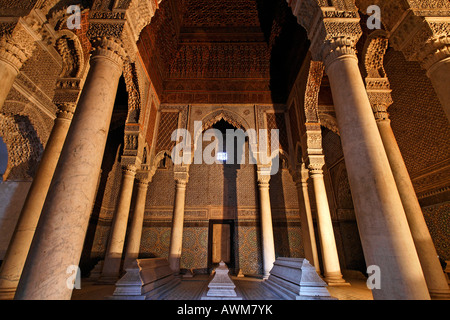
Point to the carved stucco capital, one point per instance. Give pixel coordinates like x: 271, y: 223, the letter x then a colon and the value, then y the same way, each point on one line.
x: 129, y: 170
x: 263, y: 176
x: 380, y: 97
x: 315, y: 164
x: 423, y: 39
x: 109, y: 47
x: 181, y: 175
x: 65, y: 111
x: 300, y: 175
x: 124, y: 22
x: 17, y: 42
x: 418, y: 28
x: 333, y: 31
x: 66, y: 97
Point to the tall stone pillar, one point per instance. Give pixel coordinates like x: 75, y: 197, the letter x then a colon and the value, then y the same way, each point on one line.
x: 20, y: 243
x: 267, y: 239
x: 330, y: 259
x: 384, y: 230
x: 380, y: 99
x: 60, y: 233
x: 137, y: 220
x: 308, y: 236
x: 385, y: 235
x: 176, y: 237
x: 113, y: 258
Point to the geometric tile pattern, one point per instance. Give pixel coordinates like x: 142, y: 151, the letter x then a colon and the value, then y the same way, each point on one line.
x: 195, y: 248
x: 437, y: 219
x: 167, y: 125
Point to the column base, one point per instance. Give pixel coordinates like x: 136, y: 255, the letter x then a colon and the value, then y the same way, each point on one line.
x: 7, y: 293
x: 440, y: 294
x: 335, y: 280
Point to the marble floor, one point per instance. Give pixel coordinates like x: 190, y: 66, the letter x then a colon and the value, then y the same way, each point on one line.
x: 250, y: 288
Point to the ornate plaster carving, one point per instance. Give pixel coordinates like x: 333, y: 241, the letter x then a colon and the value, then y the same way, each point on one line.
x: 377, y: 84
x: 332, y: 30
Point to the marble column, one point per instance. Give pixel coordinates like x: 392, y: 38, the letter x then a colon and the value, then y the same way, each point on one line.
x: 308, y: 235
x: 267, y: 239
x: 384, y: 231
x: 385, y: 235
x: 60, y: 233
x: 330, y: 260
x: 113, y: 257
x: 20, y: 243
x: 434, y: 275
x: 176, y: 237
x: 137, y: 220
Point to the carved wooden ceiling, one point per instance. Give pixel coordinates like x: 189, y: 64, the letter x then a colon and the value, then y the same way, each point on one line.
x: 222, y: 51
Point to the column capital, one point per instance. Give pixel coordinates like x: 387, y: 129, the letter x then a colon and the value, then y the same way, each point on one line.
x: 315, y: 164
x: 419, y: 30
x: 144, y: 176
x: 66, y: 97
x: 263, y: 175
x: 109, y: 47
x: 17, y: 42
x: 65, y: 111
x: 142, y: 183
x: 122, y: 20
x: 181, y: 177
x: 300, y: 175
x: 333, y: 31
x: 129, y: 170
x: 380, y: 97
